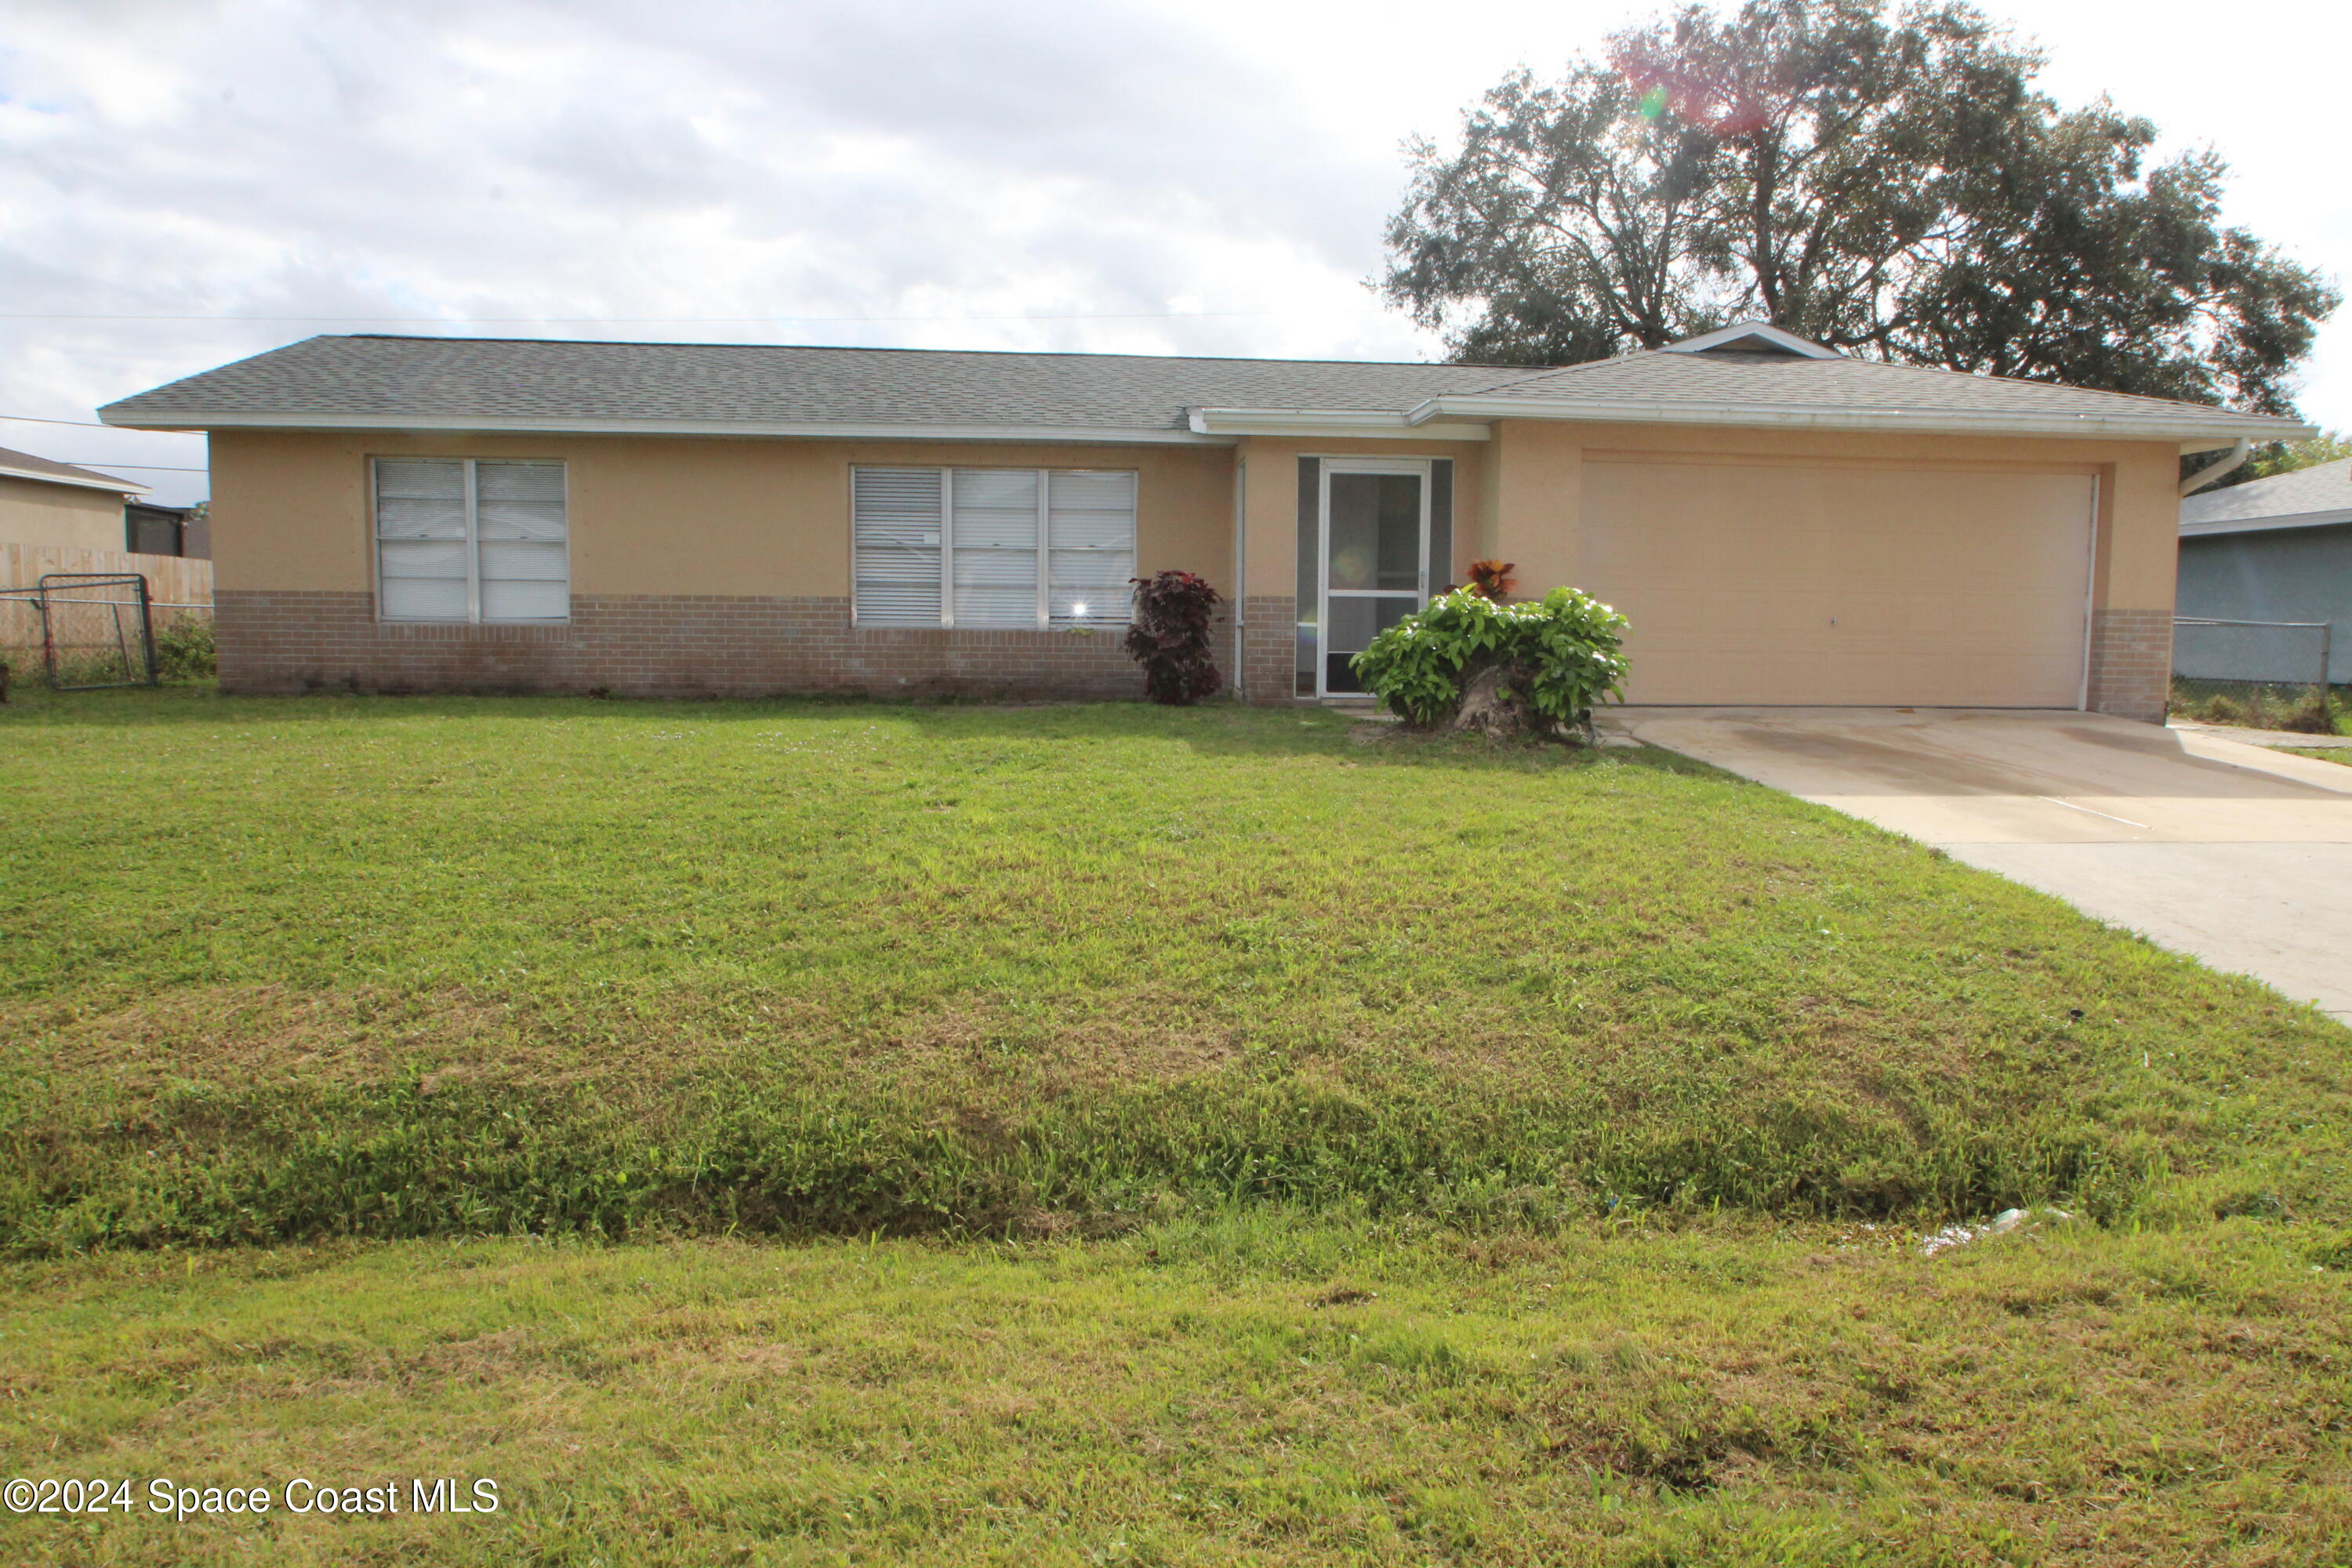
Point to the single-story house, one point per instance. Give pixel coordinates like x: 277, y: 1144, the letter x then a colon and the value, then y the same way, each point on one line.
x: 1781, y: 524
x: 2278, y: 548
x: 58, y: 506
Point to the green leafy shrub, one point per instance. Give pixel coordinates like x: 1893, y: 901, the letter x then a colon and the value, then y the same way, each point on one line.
x: 1556, y: 657
x: 183, y: 650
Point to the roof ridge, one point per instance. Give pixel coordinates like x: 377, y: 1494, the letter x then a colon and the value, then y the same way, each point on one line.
x: 884, y: 349
x: 2168, y: 405
x: 1546, y: 373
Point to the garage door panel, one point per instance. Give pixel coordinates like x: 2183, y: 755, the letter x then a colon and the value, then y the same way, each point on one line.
x: 1748, y: 583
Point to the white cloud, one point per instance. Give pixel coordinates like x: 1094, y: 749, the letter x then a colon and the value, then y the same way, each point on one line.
x: 936, y: 173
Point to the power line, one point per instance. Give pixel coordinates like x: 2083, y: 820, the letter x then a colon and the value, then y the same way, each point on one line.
x: 147, y: 468
x: 36, y: 419
x: 683, y: 320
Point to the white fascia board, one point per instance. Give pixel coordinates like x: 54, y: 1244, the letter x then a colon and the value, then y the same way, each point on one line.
x: 94, y: 483
x: 2198, y: 435
x: 1791, y: 341
x: 2266, y: 525
x: 1329, y: 422
x: 499, y: 424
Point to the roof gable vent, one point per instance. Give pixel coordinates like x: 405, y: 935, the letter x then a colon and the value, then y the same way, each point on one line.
x: 1757, y: 339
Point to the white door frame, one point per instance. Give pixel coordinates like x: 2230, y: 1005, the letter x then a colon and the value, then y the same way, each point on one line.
x: 1327, y: 467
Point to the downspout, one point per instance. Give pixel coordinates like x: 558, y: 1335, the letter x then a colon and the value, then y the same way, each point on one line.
x: 2214, y: 472
x: 1241, y: 571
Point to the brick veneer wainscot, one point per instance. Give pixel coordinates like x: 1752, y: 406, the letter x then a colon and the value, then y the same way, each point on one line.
x: 1269, y: 649
x: 654, y: 646
x: 2131, y: 663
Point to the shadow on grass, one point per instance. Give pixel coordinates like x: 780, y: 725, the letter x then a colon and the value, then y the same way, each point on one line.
x: 1214, y: 729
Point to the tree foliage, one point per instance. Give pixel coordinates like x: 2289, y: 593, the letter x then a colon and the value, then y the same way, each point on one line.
x: 1890, y: 183
x: 2286, y: 457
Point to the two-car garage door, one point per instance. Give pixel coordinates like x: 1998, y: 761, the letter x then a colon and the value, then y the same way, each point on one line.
x: 1762, y: 583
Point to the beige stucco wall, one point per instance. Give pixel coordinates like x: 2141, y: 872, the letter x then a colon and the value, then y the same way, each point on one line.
x: 757, y: 518
x: 1272, y: 497
x: 1532, y: 514
x: 655, y: 515
x: 65, y: 517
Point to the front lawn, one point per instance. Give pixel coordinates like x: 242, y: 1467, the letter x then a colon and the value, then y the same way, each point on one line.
x: 288, y: 969
x: 1608, y: 1093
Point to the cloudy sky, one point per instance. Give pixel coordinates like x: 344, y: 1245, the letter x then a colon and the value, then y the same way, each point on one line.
x: 182, y: 183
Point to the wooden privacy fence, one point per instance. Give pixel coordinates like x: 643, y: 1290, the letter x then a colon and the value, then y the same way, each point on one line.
x: 170, y: 579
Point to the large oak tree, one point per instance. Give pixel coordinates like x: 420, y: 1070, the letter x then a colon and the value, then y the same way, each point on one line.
x: 1891, y: 184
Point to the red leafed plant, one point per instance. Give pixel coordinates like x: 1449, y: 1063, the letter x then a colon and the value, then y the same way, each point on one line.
x: 1492, y: 580
x: 1169, y: 636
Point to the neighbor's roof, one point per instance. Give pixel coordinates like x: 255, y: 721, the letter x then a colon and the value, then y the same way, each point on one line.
x: 500, y: 383
x: 2307, y: 497
x: 24, y: 465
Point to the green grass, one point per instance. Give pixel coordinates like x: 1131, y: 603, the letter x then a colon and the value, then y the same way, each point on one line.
x: 1301, y: 1144
x: 2262, y: 705
x: 282, y: 969
x: 1258, y: 1386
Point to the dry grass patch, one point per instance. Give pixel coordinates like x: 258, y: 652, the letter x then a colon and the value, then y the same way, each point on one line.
x: 1251, y: 1387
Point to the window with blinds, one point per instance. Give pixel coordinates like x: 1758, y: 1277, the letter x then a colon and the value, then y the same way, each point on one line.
x: 1009, y: 549
x: 461, y: 538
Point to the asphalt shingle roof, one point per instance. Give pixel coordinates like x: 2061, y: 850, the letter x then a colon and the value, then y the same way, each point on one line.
x: 462, y: 377
x: 381, y: 378
x: 1789, y: 380
x: 26, y: 464
x: 2323, y: 488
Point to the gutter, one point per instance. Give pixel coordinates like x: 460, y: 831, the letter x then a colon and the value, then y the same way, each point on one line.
x: 1328, y: 423
x: 2194, y: 434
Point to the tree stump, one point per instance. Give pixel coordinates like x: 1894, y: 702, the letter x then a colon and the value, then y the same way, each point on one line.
x: 1494, y: 704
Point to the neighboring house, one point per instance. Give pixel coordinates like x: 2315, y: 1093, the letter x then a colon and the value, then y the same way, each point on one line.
x: 1782, y: 524
x: 59, y: 506
x: 2278, y: 548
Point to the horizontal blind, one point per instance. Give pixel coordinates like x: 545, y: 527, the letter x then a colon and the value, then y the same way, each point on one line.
x: 995, y: 542
x: 1090, y: 535
x: 421, y: 544
x: 895, y: 530
x: 520, y: 528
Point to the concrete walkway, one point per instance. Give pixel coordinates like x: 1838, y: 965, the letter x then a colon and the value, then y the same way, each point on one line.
x: 2237, y: 856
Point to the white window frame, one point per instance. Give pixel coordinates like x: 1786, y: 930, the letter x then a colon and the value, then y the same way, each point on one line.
x: 473, y: 541
x: 946, y: 473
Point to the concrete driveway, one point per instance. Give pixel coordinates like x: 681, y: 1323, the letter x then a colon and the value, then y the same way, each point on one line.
x: 2237, y: 856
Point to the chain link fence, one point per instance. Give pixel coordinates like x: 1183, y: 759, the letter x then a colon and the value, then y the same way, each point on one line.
x: 2265, y: 675
x: 82, y: 630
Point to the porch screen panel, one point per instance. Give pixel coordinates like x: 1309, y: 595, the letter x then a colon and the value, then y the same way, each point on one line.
x: 1311, y: 570
x: 1441, y: 525
x: 996, y: 530
x: 421, y: 540
x: 1090, y: 546
x: 518, y: 521
x: 897, y: 524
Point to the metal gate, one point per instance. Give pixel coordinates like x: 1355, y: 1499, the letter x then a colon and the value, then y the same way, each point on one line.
x: 93, y: 628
